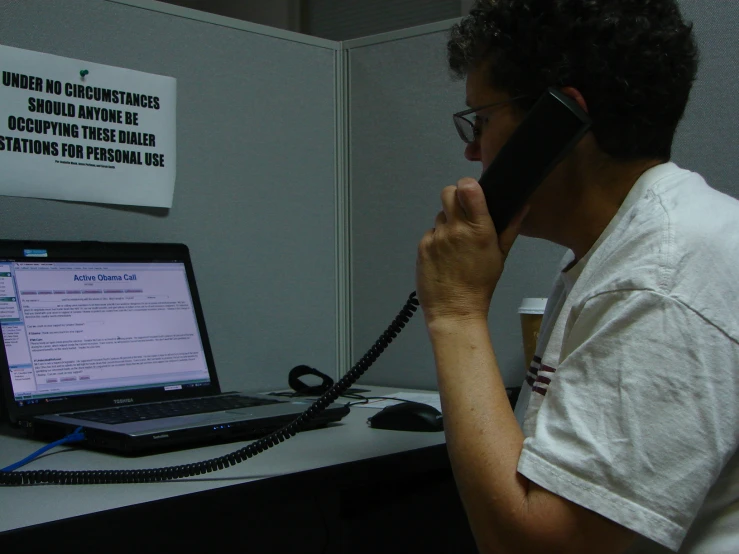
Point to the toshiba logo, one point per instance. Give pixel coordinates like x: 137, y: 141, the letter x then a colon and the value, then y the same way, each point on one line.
x: 122, y: 400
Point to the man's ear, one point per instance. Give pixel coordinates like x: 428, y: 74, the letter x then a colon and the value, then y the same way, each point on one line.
x: 573, y: 93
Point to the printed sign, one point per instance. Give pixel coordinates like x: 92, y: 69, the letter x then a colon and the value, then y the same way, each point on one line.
x: 74, y: 130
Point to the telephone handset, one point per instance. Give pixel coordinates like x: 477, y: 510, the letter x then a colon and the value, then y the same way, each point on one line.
x: 550, y: 130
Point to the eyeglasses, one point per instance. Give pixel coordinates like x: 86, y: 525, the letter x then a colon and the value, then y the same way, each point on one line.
x: 469, y: 131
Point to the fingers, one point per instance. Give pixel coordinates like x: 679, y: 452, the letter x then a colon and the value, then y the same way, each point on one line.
x: 440, y: 219
x: 450, y: 204
x: 472, y: 200
x: 465, y: 202
x: 425, y: 243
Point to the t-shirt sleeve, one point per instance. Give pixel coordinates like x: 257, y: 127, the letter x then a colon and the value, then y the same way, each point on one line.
x: 641, y: 415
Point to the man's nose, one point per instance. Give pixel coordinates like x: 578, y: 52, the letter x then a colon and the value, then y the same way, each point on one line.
x: 472, y: 151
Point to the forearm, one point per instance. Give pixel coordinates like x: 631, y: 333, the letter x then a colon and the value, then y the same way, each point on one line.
x: 483, y: 437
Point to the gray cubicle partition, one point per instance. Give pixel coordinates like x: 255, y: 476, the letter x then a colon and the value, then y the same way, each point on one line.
x: 255, y: 196
x: 404, y: 150
x: 707, y: 140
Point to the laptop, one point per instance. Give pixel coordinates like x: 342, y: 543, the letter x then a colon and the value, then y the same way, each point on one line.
x: 111, y: 337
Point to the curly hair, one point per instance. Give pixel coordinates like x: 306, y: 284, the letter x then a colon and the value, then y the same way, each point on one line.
x: 634, y: 62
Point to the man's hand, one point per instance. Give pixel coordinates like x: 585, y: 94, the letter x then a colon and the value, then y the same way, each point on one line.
x: 460, y: 260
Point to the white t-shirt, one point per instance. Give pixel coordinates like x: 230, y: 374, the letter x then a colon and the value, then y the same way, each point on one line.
x: 632, y: 403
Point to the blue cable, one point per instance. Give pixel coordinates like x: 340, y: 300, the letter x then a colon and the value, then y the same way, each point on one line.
x: 75, y: 436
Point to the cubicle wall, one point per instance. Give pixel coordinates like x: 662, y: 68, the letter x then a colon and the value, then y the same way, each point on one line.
x: 404, y: 150
x: 707, y: 140
x: 256, y: 185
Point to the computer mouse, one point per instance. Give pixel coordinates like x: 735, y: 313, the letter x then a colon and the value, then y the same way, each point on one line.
x: 408, y: 416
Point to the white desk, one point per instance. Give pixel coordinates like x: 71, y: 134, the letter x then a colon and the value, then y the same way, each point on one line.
x: 341, y: 445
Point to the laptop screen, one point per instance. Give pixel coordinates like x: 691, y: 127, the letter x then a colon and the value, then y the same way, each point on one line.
x: 79, y: 328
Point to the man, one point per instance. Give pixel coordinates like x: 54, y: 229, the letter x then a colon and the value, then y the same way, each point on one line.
x: 626, y: 439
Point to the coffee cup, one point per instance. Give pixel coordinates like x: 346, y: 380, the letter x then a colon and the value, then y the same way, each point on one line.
x: 531, y: 313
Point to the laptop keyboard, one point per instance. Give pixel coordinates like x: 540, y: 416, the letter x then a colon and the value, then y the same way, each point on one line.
x: 158, y: 410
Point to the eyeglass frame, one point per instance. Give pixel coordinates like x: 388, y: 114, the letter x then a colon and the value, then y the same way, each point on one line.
x: 460, y: 116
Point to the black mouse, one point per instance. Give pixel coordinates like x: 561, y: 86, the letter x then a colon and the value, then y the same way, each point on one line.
x: 408, y: 416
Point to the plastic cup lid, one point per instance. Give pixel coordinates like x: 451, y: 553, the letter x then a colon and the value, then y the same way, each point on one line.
x: 532, y: 306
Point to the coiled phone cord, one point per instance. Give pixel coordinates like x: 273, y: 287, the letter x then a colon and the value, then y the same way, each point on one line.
x: 99, y: 477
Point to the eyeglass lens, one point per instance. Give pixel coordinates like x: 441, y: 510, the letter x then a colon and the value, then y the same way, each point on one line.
x: 465, y: 129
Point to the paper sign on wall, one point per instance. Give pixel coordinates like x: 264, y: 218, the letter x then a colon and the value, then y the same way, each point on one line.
x: 74, y: 130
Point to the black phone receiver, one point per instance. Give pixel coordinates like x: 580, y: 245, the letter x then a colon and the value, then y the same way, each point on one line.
x: 551, y: 129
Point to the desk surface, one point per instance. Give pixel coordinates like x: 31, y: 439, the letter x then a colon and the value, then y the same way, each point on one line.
x: 347, y: 441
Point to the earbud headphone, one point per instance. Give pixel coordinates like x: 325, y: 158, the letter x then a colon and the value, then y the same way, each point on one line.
x: 301, y: 388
